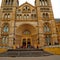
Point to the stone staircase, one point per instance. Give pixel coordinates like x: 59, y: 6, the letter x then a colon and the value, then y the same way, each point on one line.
x: 25, y: 53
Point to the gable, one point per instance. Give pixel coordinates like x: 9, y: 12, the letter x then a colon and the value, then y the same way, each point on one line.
x: 26, y: 6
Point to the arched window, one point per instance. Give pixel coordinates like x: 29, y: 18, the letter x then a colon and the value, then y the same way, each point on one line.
x: 5, y: 28
x: 47, y: 15
x: 5, y: 16
x: 40, y: 2
x: 26, y: 8
x: 20, y: 16
x: 5, y: 40
x: 25, y: 16
x: 12, y: 2
x: 46, y: 2
x: 43, y: 2
x: 33, y: 16
x: 46, y: 28
x: 26, y: 32
x: 43, y: 15
x: 48, y: 39
x: 7, y: 2
x: 33, y: 11
x: 8, y: 16
x: 18, y: 11
x: 17, y: 16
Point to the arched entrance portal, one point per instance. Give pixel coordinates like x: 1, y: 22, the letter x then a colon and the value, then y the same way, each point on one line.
x: 26, y: 34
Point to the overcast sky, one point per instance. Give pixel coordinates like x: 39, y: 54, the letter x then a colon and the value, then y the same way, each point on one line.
x: 55, y: 4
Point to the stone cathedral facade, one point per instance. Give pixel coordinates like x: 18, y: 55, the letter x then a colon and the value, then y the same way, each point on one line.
x: 28, y: 26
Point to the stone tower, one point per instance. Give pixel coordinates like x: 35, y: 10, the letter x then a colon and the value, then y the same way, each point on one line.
x: 46, y: 21
x: 8, y: 9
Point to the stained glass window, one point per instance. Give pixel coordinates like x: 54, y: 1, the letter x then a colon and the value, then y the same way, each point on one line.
x: 5, y: 29
x: 26, y: 32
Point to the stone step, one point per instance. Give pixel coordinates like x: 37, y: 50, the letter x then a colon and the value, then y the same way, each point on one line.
x: 25, y: 53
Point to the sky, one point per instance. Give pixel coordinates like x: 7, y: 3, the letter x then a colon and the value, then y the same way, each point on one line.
x: 55, y: 6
